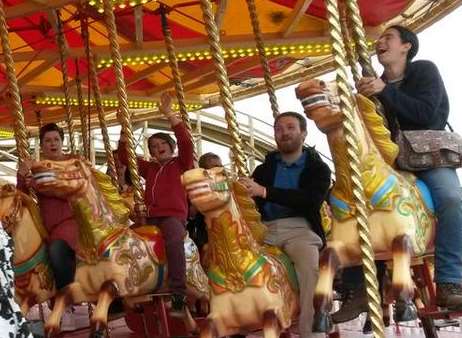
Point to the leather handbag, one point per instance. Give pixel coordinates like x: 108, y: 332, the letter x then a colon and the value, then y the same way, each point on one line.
x: 427, y: 149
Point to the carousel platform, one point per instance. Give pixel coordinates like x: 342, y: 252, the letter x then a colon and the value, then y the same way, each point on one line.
x: 118, y: 328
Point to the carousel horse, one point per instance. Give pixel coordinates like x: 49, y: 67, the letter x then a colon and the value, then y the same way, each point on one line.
x: 252, y: 287
x: 114, y: 260
x: 34, y: 281
x: 400, y: 209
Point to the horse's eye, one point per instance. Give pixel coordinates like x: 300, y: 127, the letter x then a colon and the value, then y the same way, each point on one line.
x: 48, y: 165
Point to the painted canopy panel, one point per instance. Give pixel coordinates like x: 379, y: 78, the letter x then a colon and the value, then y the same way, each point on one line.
x: 295, y: 33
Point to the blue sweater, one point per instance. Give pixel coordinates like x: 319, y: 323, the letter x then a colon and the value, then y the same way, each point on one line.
x: 420, y: 101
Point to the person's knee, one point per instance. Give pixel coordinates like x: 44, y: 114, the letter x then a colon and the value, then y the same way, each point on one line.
x: 57, y: 249
x: 451, y: 198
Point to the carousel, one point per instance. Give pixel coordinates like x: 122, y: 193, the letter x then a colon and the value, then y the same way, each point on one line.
x: 91, y: 65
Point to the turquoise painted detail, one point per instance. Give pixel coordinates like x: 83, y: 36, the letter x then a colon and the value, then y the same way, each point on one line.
x: 380, y: 195
x: 339, y: 208
x: 39, y: 257
x: 426, y: 195
x: 285, y: 260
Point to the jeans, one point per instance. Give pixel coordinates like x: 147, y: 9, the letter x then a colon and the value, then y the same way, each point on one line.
x: 445, y: 188
x: 62, y: 260
x: 173, y: 231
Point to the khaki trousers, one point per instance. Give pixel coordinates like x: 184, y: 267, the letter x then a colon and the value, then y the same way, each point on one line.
x: 301, y: 244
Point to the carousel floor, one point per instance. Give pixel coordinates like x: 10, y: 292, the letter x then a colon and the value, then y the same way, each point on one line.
x: 118, y: 328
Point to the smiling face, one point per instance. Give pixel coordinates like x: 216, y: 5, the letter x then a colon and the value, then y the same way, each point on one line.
x: 52, y: 145
x: 288, y: 135
x: 160, y: 149
x: 390, y: 48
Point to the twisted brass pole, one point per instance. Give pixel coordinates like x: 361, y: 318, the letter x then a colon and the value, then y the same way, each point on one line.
x: 349, y: 109
x: 223, y: 84
x: 20, y: 132
x: 98, y: 103
x: 173, y: 62
x: 350, y: 49
x: 82, y: 112
x: 263, y: 59
x: 124, y: 116
x: 60, y: 40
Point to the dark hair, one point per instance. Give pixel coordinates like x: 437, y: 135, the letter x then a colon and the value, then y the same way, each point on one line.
x: 408, y: 36
x: 207, y: 157
x: 50, y: 127
x: 165, y: 137
x: 299, y: 117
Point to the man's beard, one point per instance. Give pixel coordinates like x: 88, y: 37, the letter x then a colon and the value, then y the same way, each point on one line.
x: 289, y: 146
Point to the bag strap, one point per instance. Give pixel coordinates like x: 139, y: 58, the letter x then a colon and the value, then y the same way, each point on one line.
x: 449, y: 127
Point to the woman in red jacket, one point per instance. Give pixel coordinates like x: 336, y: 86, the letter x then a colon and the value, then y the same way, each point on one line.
x: 165, y: 196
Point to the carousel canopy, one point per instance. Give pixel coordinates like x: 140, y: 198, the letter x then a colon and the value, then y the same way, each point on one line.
x: 295, y: 33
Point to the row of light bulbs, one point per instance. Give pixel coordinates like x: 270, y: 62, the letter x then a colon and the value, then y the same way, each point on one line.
x: 112, y: 103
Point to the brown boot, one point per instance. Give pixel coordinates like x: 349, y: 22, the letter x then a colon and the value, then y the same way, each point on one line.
x: 449, y: 295
x: 354, y: 302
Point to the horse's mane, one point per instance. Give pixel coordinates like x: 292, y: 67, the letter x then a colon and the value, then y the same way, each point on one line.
x: 376, y: 127
x: 114, y: 199
x: 249, y: 212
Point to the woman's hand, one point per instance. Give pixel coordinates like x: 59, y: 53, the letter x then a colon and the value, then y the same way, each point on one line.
x: 369, y: 86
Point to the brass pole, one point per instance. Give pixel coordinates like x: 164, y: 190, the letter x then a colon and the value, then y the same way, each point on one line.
x: 91, y: 59
x: 82, y: 112
x: 349, y: 108
x: 223, y: 84
x: 351, y: 54
x: 173, y: 62
x: 124, y: 116
x: 263, y: 59
x: 60, y: 40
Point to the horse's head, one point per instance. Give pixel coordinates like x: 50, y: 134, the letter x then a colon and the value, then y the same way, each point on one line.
x: 320, y: 104
x: 61, y: 178
x: 208, y: 190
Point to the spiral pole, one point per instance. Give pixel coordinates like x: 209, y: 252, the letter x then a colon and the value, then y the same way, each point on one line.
x: 124, y: 115
x: 82, y: 112
x: 61, y: 42
x: 223, y: 84
x: 91, y: 59
x: 263, y: 59
x: 173, y: 62
x: 349, y: 109
x: 351, y: 54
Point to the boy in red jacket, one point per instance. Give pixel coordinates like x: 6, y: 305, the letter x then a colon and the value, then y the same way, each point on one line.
x: 165, y: 198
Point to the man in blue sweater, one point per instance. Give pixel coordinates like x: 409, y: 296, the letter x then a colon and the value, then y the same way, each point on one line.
x: 413, y: 93
x: 289, y: 188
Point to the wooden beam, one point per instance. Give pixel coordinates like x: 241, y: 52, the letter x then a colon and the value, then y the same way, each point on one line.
x: 138, y: 13
x: 220, y: 12
x: 30, y: 7
x: 297, y: 13
x: 43, y: 67
x: 137, y: 76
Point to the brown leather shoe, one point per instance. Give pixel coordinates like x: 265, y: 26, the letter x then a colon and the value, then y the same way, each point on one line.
x: 354, y: 302
x: 449, y: 295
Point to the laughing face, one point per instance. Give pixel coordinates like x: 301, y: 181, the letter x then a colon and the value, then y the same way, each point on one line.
x: 52, y: 146
x: 390, y: 48
x: 160, y: 149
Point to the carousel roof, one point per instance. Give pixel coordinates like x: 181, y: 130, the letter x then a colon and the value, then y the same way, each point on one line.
x: 295, y: 33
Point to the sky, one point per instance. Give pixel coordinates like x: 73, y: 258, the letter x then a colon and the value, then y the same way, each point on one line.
x: 438, y: 43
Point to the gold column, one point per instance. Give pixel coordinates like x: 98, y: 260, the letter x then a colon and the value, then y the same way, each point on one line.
x: 124, y: 115
x: 82, y: 112
x: 264, y: 61
x: 20, y: 132
x: 351, y: 54
x: 173, y: 62
x: 348, y: 109
x: 91, y: 59
x: 60, y: 40
x: 223, y: 84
